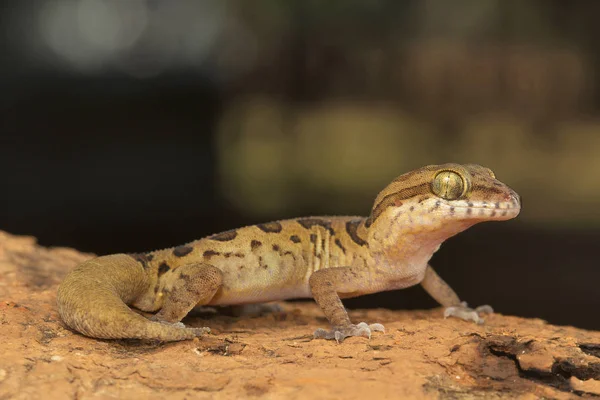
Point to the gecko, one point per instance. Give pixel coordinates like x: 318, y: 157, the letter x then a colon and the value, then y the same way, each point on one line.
x: 324, y: 258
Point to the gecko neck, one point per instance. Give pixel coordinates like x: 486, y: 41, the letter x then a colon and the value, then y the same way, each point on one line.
x: 399, y: 240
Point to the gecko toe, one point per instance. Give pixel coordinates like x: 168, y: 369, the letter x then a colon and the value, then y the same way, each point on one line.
x: 466, y: 313
x: 485, y: 309
x: 340, y: 333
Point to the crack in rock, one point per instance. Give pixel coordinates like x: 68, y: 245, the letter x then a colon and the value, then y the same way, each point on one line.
x: 591, y: 349
x: 562, y: 370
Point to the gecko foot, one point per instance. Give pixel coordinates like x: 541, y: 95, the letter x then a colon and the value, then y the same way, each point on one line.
x: 339, y: 333
x: 463, y: 311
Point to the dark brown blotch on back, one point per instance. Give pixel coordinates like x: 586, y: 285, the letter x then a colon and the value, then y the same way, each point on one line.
x: 163, y: 268
x: 141, y: 258
x: 208, y: 254
x: 352, y: 230
x: 255, y: 244
x: 308, y: 223
x: 313, y: 238
x: 339, y: 244
x: 225, y: 236
x: 276, y: 247
x: 232, y: 254
x: 182, y: 251
x: 262, y: 263
x: 295, y: 239
x: 270, y: 227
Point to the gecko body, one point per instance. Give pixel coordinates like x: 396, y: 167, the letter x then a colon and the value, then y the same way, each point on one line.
x: 326, y: 258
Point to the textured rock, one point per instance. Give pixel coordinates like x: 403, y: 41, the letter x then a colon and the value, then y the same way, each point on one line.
x: 421, y: 355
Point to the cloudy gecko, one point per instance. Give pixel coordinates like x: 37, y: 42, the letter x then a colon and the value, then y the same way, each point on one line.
x: 325, y: 258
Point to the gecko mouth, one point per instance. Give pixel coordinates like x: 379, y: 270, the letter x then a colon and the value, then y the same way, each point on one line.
x: 492, y: 210
x: 495, y: 211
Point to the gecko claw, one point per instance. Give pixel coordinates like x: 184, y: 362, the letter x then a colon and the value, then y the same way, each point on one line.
x: 464, y: 312
x: 377, y: 327
x: 340, y: 333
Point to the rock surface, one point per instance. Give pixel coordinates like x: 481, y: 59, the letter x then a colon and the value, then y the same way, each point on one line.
x: 420, y: 355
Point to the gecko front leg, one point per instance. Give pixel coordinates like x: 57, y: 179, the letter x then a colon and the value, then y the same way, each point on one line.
x: 325, y: 285
x: 443, y: 294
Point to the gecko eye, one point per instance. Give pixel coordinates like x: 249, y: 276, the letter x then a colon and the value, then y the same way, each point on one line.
x: 448, y: 185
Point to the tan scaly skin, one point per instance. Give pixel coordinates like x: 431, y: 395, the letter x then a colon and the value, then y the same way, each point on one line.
x: 326, y: 258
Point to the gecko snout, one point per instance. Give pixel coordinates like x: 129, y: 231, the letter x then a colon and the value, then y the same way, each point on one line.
x: 515, y: 198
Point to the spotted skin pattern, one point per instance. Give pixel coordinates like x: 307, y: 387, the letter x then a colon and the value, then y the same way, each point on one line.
x: 326, y: 258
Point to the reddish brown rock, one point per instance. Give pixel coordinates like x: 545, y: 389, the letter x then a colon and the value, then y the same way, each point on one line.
x: 421, y: 355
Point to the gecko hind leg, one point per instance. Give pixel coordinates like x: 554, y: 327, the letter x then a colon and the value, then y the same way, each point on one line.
x: 188, y: 286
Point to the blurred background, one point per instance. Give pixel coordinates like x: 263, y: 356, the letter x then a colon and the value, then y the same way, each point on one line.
x: 142, y: 124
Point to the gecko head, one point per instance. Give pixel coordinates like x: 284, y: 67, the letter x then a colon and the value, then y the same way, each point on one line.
x: 445, y: 195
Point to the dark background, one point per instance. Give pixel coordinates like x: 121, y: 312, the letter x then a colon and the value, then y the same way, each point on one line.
x: 136, y: 125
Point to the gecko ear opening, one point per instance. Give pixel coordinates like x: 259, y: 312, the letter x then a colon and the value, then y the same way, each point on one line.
x: 449, y: 185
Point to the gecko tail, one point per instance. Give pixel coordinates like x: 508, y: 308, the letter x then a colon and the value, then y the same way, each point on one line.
x: 93, y: 300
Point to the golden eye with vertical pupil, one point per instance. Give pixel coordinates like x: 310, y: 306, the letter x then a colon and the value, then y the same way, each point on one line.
x: 448, y: 185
